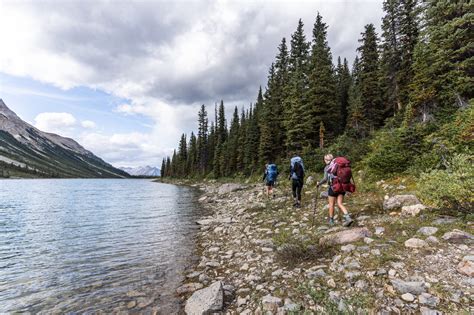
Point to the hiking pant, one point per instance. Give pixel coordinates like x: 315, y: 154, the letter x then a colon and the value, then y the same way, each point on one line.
x: 297, y: 186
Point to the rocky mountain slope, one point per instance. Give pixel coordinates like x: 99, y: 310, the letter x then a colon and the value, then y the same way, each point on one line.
x: 148, y: 171
x: 260, y: 256
x: 26, y: 151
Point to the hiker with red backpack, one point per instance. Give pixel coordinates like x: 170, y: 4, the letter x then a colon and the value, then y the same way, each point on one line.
x: 338, y: 174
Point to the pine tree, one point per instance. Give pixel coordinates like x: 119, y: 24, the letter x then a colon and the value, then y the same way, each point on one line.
x: 202, y: 141
x: 233, y: 142
x: 279, y: 94
x: 163, y: 168
x: 182, y: 157
x: 168, y: 167
x: 321, y: 105
x: 369, y: 79
x: 296, y: 89
x: 343, y: 79
x: 242, y: 142
x: 356, y: 120
x: 268, y: 124
x: 192, y: 163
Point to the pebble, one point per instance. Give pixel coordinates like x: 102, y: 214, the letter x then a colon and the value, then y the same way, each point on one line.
x: 408, y: 297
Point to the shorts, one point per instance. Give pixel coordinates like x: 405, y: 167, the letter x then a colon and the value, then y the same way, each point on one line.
x: 270, y: 183
x: 331, y: 193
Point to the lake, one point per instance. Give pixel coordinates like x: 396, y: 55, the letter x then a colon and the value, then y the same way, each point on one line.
x: 89, y: 245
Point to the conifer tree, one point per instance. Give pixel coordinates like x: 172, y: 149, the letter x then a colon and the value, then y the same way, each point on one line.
x: 241, y: 142
x: 356, y: 120
x: 233, y: 142
x: 163, y: 168
x: 268, y: 123
x: 202, y: 141
x: 296, y: 88
x: 168, y: 167
x: 192, y: 165
x: 279, y: 94
x: 343, y: 79
x: 321, y: 104
x: 182, y: 157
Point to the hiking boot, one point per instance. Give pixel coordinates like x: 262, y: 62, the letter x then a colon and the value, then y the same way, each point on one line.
x: 347, y: 220
x: 331, y: 221
x: 298, y: 205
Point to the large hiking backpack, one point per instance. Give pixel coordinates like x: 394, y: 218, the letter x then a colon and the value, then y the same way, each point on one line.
x: 298, y: 169
x: 340, y: 169
x: 272, y: 172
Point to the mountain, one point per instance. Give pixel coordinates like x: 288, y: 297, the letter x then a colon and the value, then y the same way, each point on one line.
x: 26, y: 151
x: 148, y: 171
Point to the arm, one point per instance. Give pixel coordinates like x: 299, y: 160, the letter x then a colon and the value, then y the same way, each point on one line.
x: 325, y: 178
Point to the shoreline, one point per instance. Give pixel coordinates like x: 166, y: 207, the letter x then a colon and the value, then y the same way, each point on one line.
x: 267, y: 257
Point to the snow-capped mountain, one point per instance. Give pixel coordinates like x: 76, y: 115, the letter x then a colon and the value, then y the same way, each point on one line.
x: 25, y: 150
x: 149, y: 171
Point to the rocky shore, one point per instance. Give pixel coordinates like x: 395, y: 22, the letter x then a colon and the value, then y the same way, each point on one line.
x: 260, y: 256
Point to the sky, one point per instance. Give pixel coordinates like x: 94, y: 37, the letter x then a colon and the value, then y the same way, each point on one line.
x: 126, y: 78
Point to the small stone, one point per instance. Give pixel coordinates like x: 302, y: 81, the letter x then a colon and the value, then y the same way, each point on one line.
x: 131, y: 304
x: 361, y: 284
x: 413, y: 287
x: 428, y: 299
x: 241, y: 301
x: 379, y: 230
x: 144, y: 302
x: 331, y: 283
x: 412, y: 210
x: 457, y: 236
x: 213, y: 264
x: 348, y: 248
x: 188, y: 288
x: 244, y: 267
x: 277, y: 273
x: 316, y: 274
x: 415, y: 243
x: 427, y: 230
x: 392, y: 272
x: 408, y: 297
x: 271, y: 303
x: 466, y: 266
x: 368, y: 240
x: 428, y: 311
x: 432, y: 240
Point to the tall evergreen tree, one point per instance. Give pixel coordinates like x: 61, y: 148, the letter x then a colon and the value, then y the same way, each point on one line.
x: 163, y: 168
x: 321, y: 105
x: 182, y: 158
x: 343, y: 79
x: 202, y: 141
x: 233, y: 142
x: 192, y: 163
x: 268, y: 123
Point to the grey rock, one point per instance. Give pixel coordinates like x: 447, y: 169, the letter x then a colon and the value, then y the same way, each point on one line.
x: 457, y: 236
x: 345, y: 236
x: 428, y: 299
x: 188, y: 287
x: 316, y: 274
x: 228, y: 188
x: 205, y: 301
x: 444, y: 220
x: 466, y: 266
x: 398, y: 201
x: 413, y: 287
x: 415, y: 243
x: 432, y: 240
x: 428, y: 311
x: 412, y: 210
x: 408, y: 297
x: 379, y: 230
x: 427, y: 230
x: 361, y: 284
x: 348, y: 248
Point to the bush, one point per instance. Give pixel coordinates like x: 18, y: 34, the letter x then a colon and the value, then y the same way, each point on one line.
x: 451, y: 187
x: 350, y: 147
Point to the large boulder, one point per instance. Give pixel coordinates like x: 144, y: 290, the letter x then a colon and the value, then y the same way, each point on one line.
x: 228, y: 188
x: 345, y: 236
x: 206, y: 301
x: 398, y: 201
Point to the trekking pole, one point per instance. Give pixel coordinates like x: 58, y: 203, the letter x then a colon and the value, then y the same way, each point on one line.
x: 315, y: 205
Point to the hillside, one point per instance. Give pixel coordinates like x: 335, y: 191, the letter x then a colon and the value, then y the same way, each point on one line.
x: 26, y: 151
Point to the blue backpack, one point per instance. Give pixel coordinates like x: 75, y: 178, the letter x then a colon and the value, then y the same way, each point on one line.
x: 272, y: 172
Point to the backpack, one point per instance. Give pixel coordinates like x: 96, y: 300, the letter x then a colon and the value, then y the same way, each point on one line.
x: 299, y: 171
x: 340, y: 168
x: 272, y: 172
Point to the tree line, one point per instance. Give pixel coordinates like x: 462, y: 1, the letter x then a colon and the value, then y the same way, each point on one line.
x: 418, y: 71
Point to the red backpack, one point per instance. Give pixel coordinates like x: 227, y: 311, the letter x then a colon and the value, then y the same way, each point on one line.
x: 340, y: 167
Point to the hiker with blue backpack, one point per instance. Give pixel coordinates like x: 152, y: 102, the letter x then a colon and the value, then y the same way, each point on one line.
x: 297, y: 178
x: 338, y: 174
x: 270, y: 176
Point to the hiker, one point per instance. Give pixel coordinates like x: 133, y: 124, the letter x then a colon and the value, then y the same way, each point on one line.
x: 334, y: 196
x: 297, y: 178
x: 270, y: 176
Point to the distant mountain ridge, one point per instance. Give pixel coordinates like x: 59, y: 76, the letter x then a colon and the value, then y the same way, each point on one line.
x: 28, y: 151
x: 142, y: 171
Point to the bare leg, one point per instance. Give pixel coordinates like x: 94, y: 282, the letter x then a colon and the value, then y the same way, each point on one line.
x: 340, y: 200
x: 332, y: 201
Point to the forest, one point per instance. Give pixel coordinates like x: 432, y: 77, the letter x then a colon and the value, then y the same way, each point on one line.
x: 404, y: 107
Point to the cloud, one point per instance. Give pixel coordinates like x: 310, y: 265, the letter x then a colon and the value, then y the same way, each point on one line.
x: 55, y: 122
x: 88, y: 124
x: 167, y: 57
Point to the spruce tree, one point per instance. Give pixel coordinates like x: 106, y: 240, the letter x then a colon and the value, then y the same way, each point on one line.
x: 163, y: 168
x: 321, y: 105
x: 233, y: 142
x: 343, y: 78
x: 202, y: 141
x: 192, y: 165
x: 268, y: 123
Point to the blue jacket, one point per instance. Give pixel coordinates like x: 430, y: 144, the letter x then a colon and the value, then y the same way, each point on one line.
x: 292, y: 165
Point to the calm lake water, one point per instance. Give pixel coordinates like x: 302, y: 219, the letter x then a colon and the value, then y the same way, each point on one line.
x: 88, y: 245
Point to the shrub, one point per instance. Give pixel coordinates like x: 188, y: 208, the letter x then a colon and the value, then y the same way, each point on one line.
x: 451, y: 187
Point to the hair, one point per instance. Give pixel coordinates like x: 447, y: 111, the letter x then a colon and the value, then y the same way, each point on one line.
x: 328, y: 157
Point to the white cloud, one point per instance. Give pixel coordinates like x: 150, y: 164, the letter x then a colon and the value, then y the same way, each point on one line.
x: 55, y: 122
x: 88, y: 124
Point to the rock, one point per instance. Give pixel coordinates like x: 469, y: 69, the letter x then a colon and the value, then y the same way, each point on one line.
x: 134, y: 293
x: 415, y: 243
x: 345, y: 236
x: 427, y: 311
x: 428, y: 299
x: 331, y: 283
x: 408, y: 297
x: 444, y: 220
x: 228, y: 188
x: 310, y: 180
x: 379, y: 230
x: 202, y: 199
x: 466, y: 266
x: 144, y: 302
x: 361, y: 284
x: 207, y: 300
x: 244, y: 267
x: 188, y: 288
x: 412, y: 210
x: 205, y: 222
x: 131, y: 304
x: 432, y: 240
x: 277, y: 273
x: 271, y: 303
x: 348, y: 248
x: 241, y: 301
x: 398, y: 201
x: 457, y: 236
x: 213, y: 264
x: 316, y: 274
x: 368, y: 240
x: 413, y: 287
x: 427, y: 230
